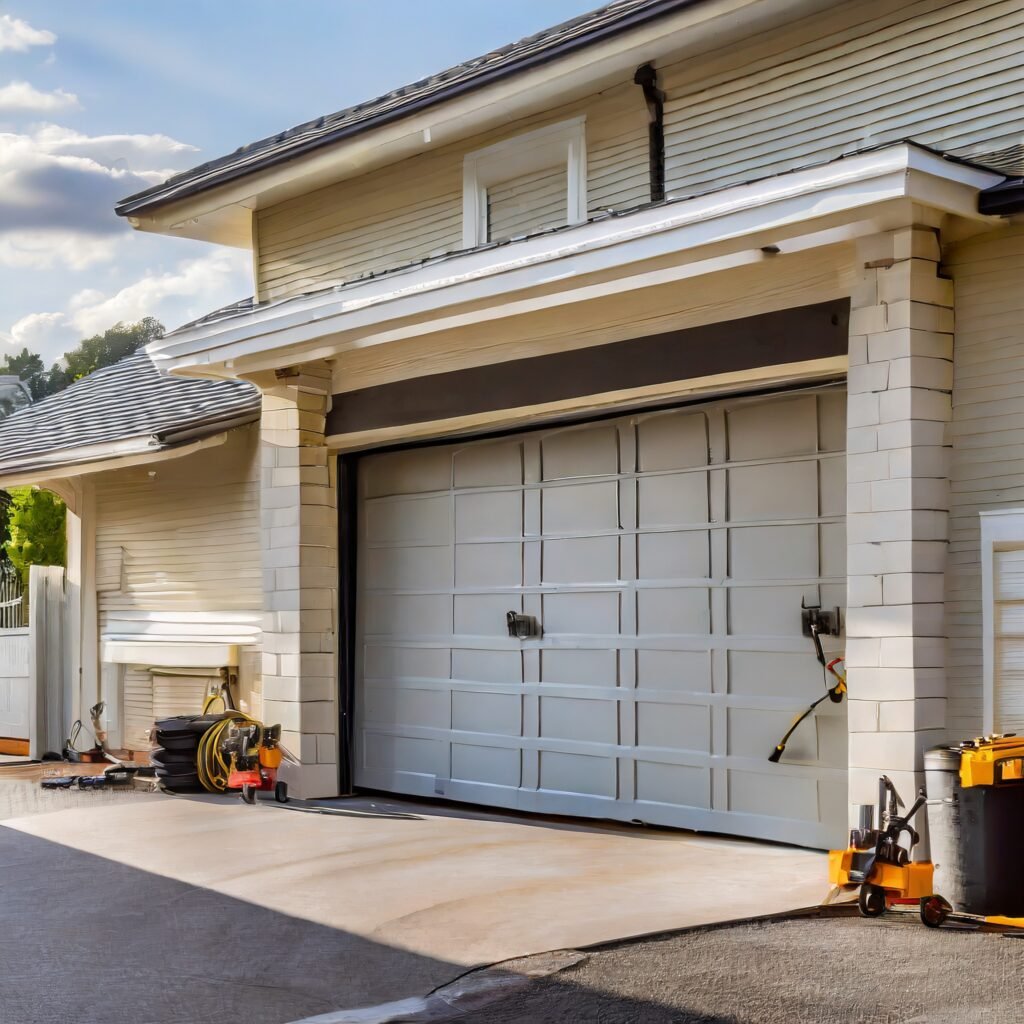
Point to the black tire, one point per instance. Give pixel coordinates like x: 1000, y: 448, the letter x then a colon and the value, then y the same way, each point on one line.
x: 281, y: 792
x: 871, y: 901
x: 934, y: 911
x: 248, y: 794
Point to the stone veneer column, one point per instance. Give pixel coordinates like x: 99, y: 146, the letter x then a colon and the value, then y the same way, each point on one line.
x: 900, y: 379
x: 300, y: 576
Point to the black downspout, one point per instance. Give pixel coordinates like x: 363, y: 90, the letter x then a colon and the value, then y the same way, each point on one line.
x: 347, y: 509
x: 647, y: 78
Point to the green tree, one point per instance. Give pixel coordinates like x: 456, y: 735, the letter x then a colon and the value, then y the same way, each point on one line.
x: 105, y: 349
x: 35, y: 526
x: 29, y: 367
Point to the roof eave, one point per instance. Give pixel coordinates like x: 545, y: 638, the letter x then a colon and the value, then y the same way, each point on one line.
x: 1003, y: 199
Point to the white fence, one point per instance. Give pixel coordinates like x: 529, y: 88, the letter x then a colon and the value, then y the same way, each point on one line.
x: 15, y: 683
x: 12, y: 601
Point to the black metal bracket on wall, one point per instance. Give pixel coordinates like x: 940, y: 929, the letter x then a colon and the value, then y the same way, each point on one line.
x: 348, y: 506
x: 647, y: 78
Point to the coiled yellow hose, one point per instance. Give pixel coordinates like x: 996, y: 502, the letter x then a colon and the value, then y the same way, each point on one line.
x: 212, y: 766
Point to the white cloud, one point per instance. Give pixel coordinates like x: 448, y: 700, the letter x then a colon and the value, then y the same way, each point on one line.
x: 192, y: 289
x: 19, y: 35
x: 49, y: 334
x: 23, y: 98
x: 58, y: 188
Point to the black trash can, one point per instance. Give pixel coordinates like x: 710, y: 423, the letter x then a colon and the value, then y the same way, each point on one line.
x: 992, y: 827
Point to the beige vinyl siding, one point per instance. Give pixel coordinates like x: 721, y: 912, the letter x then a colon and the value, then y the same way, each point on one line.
x: 987, y: 436
x: 184, y: 541
x: 137, y: 707
x: 413, y: 210
x: 946, y: 74
x: 527, y: 204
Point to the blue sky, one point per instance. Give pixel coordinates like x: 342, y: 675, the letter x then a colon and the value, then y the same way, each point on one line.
x: 100, y: 99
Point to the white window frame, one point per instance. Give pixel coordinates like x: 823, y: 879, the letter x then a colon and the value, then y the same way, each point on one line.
x: 1001, y: 530
x: 554, y: 144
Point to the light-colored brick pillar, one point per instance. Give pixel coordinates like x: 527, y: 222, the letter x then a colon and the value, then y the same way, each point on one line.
x: 900, y: 379
x: 300, y: 577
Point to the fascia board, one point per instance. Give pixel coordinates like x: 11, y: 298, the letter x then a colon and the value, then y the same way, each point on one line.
x: 848, y: 185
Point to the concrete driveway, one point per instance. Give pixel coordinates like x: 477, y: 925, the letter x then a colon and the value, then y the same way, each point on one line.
x: 382, y: 903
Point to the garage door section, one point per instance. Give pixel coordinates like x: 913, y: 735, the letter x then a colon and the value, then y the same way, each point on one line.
x: 665, y: 557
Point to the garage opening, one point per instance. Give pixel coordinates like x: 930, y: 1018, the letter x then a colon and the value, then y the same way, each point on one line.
x: 662, y: 559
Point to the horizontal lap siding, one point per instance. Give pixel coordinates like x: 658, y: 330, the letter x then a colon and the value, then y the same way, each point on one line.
x: 184, y: 540
x: 946, y: 74
x: 413, y: 210
x: 987, y: 434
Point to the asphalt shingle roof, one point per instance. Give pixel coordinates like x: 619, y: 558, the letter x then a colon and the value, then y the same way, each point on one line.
x: 130, y: 400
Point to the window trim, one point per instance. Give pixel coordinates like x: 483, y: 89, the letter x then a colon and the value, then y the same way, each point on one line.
x: 522, y: 154
x: 1001, y: 530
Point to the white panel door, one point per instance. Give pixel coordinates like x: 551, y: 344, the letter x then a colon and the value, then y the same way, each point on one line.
x: 665, y: 556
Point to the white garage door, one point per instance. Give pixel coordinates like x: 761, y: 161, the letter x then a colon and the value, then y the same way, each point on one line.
x: 665, y: 556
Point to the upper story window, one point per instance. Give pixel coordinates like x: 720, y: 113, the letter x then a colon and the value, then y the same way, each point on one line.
x: 525, y: 184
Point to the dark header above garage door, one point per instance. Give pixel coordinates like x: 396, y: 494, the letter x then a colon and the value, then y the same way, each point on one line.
x: 771, y: 339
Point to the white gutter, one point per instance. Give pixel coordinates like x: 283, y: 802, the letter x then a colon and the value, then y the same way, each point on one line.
x: 844, y: 188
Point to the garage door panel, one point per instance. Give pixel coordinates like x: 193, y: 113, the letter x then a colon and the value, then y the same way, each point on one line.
x: 678, y: 671
x: 493, y: 766
x: 408, y: 614
x: 580, y: 508
x: 387, y: 662
x: 577, y: 773
x: 774, y: 491
x: 673, y: 784
x: 773, y: 430
x: 489, y: 465
x: 487, y: 666
x: 591, y: 451
x: 833, y: 486
x: 489, y: 565
x: 768, y: 611
x: 489, y: 515
x: 407, y: 705
x: 411, y: 472
x: 581, y: 613
x: 408, y: 521
x: 411, y: 568
x: 579, y: 667
x: 775, y: 794
x: 665, y: 556
x: 773, y: 552
x: 833, y: 550
x: 832, y: 422
x: 678, y: 555
x: 674, y: 612
x: 671, y: 499
x: 674, y: 726
x: 765, y: 673
x: 386, y: 753
x: 753, y: 732
x: 581, y: 560
x: 475, y: 711
x: 484, y: 614
x: 582, y: 719
x: 675, y: 440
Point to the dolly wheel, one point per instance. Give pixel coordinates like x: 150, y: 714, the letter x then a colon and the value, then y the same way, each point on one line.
x: 281, y: 792
x: 934, y: 911
x: 248, y: 794
x: 871, y: 901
